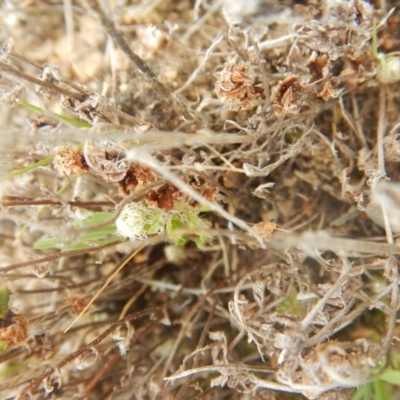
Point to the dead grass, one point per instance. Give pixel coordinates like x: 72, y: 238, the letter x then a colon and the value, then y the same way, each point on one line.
x: 236, y: 162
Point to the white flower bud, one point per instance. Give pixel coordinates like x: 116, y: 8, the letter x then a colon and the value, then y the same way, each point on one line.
x: 138, y: 220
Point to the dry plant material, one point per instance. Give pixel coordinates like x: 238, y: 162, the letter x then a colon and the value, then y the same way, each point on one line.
x: 163, y: 197
x: 13, y: 331
x: 318, y: 65
x: 69, y: 161
x: 136, y: 175
x: 239, y: 86
x: 265, y: 229
x: 268, y: 235
x: 112, y: 166
x: 77, y: 304
x: 328, y: 92
x: 283, y: 99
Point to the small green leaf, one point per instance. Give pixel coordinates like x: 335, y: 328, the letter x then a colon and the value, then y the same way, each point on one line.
x: 28, y: 168
x: 96, y: 237
x: 181, y: 241
x: 48, y: 243
x: 72, y: 121
x: 94, y: 218
x: 395, y: 361
x: 187, y: 220
x: 201, y: 240
x: 391, y: 376
x: 4, y: 299
x: 62, y: 244
x: 174, y: 223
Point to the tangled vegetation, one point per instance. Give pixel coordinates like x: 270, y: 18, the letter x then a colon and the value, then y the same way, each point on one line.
x: 199, y: 199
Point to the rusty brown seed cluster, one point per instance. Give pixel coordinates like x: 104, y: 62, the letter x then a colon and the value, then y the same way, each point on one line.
x: 240, y: 87
x: 13, y: 331
x: 71, y: 161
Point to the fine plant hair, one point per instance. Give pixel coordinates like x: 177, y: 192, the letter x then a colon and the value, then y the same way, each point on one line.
x: 199, y: 199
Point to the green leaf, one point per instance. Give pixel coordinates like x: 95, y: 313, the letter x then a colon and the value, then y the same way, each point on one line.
x: 72, y: 121
x: 364, y: 392
x: 381, y: 391
x: 4, y: 299
x: 28, y: 168
x: 188, y: 220
x: 395, y: 361
x: 99, y: 233
x: 62, y: 244
x: 48, y: 243
x: 391, y: 376
x: 174, y: 223
x: 96, y: 237
x: 201, y: 240
x: 94, y: 218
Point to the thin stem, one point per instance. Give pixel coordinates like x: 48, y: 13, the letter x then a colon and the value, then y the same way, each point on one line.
x: 11, y: 201
x: 106, y: 283
x: 392, y: 266
x: 381, y: 131
x: 119, y: 40
x: 14, y: 71
x: 62, y: 254
x: 321, y: 303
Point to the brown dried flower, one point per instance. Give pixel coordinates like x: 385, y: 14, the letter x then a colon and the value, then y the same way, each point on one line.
x: 239, y: 86
x: 77, y: 304
x: 163, y: 196
x: 136, y: 175
x: 265, y: 229
x: 13, y: 330
x: 144, y: 175
x: 69, y: 161
x: 128, y: 183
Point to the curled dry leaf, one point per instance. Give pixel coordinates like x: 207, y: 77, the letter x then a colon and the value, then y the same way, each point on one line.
x: 318, y: 65
x: 328, y: 92
x: 284, y: 96
x: 87, y: 359
x: 327, y: 366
